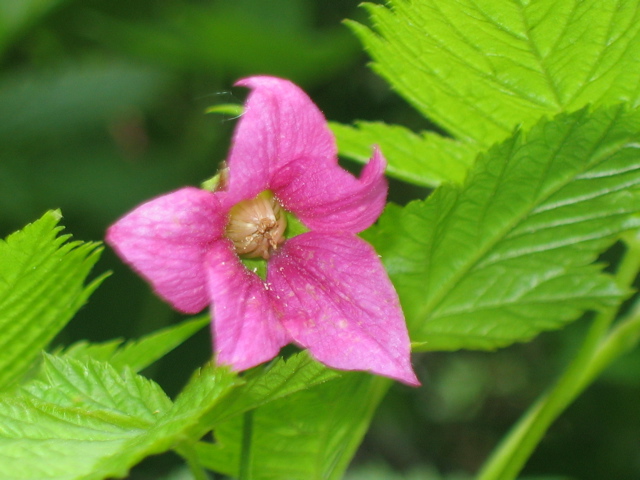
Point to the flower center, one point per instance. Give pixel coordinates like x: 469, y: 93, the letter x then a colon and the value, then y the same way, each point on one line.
x: 256, y: 226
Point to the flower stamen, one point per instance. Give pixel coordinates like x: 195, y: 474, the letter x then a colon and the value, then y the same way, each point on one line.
x: 256, y: 226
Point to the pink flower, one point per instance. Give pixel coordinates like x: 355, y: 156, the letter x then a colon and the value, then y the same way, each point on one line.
x: 325, y: 290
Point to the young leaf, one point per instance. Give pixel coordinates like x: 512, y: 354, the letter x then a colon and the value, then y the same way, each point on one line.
x: 312, y: 434
x: 479, y: 68
x: 124, y: 399
x: 427, y: 159
x: 87, y: 421
x: 264, y: 385
x: 41, y: 287
x: 138, y: 354
x: 509, y: 254
x: 62, y: 427
x: 187, y: 420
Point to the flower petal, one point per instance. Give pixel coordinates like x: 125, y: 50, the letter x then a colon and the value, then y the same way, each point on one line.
x: 246, y: 329
x: 337, y: 301
x: 165, y: 240
x: 282, y: 143
x: 280, y: 125
x: 327, y: 198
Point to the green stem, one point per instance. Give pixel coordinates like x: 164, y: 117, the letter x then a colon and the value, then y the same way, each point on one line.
x: 187, y: 452
x: 596, y: 353
x: 247, y: 439
x: 624, y: 337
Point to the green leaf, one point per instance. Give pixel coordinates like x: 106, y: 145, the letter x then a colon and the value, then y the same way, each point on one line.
x: 83, y: 413
x: 427, y: 159
x: 41, y: 287
x: 138, y: 354
x: 267, y: 384
x: 310, y: 435
x: 479, y: 68
x: 125, y: 400
x: 188, y: 418
x: 510, y: 253
x: 88, y: 421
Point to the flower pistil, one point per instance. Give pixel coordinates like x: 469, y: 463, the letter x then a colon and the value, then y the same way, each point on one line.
x: 256, y: 226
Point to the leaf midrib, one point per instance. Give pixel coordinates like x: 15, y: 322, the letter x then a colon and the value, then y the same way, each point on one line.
x: 446, y: 287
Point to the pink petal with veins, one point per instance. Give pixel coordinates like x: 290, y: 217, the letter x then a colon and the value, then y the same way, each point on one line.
x: 283, y: 143
x: 337, y: 301
x: 246, y: 329
x: 280, y: 125
x: 330, y: 199
x: 165, y: 240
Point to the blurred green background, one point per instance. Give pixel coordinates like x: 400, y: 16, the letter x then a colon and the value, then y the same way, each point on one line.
x: 102, y: 107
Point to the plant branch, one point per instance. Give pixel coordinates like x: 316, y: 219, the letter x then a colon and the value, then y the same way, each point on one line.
x: 599, y: 349
x: 187, y: 452
x: 247, y: 439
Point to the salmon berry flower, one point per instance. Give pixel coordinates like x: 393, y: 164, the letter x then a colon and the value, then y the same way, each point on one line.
x: 324, y: 290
